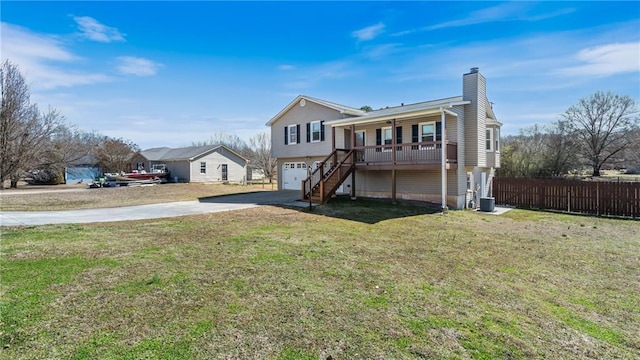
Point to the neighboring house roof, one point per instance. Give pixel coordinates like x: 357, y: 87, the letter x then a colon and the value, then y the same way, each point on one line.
x: 421, y: 108
x: 186, y: 153
x: 341, y: 108
x: 154, y: 154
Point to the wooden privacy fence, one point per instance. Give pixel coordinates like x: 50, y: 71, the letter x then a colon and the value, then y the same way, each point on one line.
x: 590, y: 197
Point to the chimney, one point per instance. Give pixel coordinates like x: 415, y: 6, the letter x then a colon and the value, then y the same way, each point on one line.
x: 474, y: 90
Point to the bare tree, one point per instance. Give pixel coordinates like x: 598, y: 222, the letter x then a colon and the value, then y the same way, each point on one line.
x: 261, y: 148
x: 560, y: 154
x: 231, y: 141
x: 24, y: 131
x: 602, y: 124
x: 67, y: 146
x: 115, y: 155
x: 523, y: 155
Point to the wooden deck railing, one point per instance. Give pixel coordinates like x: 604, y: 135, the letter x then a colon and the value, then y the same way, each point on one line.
x: 410, y: 153
x: 322, y: 171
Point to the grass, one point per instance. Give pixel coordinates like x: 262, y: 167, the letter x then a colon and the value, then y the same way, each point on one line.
x: 363, y: 279
x: 82, y: 198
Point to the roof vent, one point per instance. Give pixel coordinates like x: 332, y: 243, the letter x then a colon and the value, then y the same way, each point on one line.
x: 474, y: 70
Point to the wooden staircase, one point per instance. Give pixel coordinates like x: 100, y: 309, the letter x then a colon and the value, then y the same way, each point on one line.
x: 325, y: 180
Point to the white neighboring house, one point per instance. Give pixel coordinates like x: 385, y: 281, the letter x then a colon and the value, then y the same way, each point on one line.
x: 443, y: 151
x: 213, y: 163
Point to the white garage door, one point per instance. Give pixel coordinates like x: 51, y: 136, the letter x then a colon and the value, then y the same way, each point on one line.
x: 293, y: 174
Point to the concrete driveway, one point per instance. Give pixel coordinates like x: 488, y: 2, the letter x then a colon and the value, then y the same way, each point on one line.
x: 153, y: 211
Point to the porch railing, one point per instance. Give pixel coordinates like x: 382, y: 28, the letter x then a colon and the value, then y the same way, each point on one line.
x: 321, y: 172
x: 423, y: 153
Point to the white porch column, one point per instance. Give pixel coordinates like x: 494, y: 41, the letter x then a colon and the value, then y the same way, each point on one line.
x: 443, y: 161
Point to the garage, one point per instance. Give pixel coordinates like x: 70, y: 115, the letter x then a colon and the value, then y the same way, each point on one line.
x: 292, y: 175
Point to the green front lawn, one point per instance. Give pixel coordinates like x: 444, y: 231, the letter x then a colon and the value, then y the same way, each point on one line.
x: 360, y: 279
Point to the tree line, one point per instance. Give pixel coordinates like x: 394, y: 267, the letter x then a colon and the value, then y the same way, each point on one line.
x: 40, y: 145
x: 600, y: 131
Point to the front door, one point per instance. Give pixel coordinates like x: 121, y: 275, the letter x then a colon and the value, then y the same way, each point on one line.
x: 360, y: 141
x: 225, y: 176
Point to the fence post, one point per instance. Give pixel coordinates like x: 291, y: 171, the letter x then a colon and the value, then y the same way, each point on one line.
x: 598, y: 198
x: 569, y: 200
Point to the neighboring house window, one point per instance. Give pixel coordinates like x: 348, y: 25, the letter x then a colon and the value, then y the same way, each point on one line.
x: 489, y: 140
x: 291, y: 134
x: 203, y: 167
x: 314, y: 131
x: 497, y: 140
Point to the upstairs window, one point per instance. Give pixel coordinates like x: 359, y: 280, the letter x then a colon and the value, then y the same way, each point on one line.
x: 489, y: 140
x: 497, y: 140
x: 203, y: 167
x: 291, y: 134
x: 315, y: 132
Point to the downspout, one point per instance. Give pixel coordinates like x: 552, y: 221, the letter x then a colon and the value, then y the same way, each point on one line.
x: 393, y: 161
x: 443, y: 159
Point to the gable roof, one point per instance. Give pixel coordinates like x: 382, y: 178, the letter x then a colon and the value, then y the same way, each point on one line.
x: 186, y: 153
x: 341, y: 108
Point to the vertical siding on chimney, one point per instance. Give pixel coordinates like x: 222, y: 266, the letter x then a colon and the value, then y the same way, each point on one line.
x: 475, y: 114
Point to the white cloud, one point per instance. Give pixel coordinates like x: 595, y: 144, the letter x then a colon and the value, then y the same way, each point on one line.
x: 41, y: 59
x: 605, y: 60
x: 286, y: 67
x: 378, y: 51
x: 131, y: 65
x: 368, y: 33
x: 92, y: 29
x: 509, y: 11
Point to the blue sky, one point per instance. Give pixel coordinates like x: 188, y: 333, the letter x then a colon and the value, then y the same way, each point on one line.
x: 170, y: 73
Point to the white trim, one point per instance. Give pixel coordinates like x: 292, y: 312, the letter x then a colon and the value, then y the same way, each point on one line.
x: 340, y: 108
x: 402, y: 112
x: 489, y: 140
x: 382, y: 138
x: 295, y: 128
x: 421, y: 134
x: 319, y: 122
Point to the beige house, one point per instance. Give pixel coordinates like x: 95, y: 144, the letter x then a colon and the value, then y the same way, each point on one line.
x: 442, y: 151
x: 214, y: 163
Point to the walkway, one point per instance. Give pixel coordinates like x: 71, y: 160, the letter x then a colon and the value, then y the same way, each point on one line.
x: 153, y: 211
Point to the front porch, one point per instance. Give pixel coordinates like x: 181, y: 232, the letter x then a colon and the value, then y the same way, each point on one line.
x: 411, y: 156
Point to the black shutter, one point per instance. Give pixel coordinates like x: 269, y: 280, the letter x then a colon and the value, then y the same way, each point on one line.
x: 378, y: 139
x: 439, y: 131
x: 414, y: 136
x: 399, y: 137
x: 286, y: 135
x: 308, y: 132
x: 298, y: 134
x: 321, y: 130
